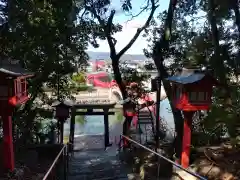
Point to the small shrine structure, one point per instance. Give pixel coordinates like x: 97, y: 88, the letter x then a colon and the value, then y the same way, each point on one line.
x: 13, y: 92
x: 192, y: 91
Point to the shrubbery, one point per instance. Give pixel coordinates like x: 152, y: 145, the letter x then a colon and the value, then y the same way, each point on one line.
x: 79, y: 87
x: 79, y: 78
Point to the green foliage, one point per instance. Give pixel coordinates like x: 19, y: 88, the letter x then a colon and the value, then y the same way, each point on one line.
x: 46, y: 39
x: 50, y: 38
x: 79, y: 78
x: 225, y: 114
x: 33, y: 127
x: 44, y: 36
x: 119, y: 116
x: 80, y: 120
x: 205, y: 33
x: 74, y: 88
x: 130, y: 75
x: 126, y: 5
x: 103, y: 12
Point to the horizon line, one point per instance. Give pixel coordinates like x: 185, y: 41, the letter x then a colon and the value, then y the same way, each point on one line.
x: 109, y: 52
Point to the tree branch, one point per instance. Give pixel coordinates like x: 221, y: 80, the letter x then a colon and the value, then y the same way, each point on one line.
x: 142, y: 10
x: 139, y: 30
x: 163, y: 43
x: 109, y: 22
x: 107, y: 28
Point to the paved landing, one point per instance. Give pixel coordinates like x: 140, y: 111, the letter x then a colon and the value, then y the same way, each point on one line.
x: 97, y: 164
x: 91, y: 161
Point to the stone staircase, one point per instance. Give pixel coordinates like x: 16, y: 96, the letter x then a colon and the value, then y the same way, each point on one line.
x: 97, y: 164
x: 145, y: 117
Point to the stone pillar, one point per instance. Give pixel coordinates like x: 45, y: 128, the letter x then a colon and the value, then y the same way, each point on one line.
x: 72, y: 128
x: 106, y: 128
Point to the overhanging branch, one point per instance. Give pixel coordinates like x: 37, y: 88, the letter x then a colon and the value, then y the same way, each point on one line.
x: 109, y: 22
x: 139, y: 30
x: 107, y: 28
x: 163, y: 43
x: 142, y: 10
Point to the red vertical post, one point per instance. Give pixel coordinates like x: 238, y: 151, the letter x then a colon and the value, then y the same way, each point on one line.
x: 186, y: 143
x: 25, y: 87
x: 8, y: 153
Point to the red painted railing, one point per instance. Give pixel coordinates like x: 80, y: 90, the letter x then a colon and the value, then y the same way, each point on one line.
x: 20, y: 90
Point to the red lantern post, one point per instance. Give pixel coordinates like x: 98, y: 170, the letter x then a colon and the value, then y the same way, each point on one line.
x: 13, y: 92
x: 61, y: 114
x: 192, y: 91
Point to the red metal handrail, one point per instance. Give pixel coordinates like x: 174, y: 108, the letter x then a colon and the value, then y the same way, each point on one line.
x: 62, y: 151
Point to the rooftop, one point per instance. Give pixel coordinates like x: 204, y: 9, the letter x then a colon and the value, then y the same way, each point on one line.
x: 187, y: 76
x: 12, y: 67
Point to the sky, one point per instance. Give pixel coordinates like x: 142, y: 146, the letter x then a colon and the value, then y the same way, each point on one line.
x: 129, y: 28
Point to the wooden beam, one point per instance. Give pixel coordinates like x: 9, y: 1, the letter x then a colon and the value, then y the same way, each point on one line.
x: 93, y: 113
x: 95, y: 106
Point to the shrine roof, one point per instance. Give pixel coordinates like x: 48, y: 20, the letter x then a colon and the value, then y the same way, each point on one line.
x: 95, y: 104
x: 187, y: 76
x: 13, y: 68
x: 85, y: 104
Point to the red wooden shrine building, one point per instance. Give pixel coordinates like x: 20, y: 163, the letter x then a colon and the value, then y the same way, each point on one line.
x: 13, y: 92
x: 192, y: 91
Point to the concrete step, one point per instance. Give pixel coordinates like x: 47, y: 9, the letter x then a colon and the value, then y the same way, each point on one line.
x: 145, y: 118
x: 90, y: 174
x: 96, y: 165
x: 87, y: 178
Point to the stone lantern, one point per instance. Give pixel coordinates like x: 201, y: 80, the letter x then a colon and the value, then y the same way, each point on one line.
x: 62, y: 111
x: 13, y: 92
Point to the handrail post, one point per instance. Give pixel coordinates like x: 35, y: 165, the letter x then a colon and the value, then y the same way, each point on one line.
x: 64, y: 163
x: 158, y: 99
x: 119, y: 143
x: 67, y: 158
x: 51, y: 173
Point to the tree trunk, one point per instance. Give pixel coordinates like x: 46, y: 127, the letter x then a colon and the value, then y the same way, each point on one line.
x: 218, y: 60
x: 177, y: 115
x: 158, y: 50
x: 118, y: 77
x: 235, y: 7
x: 115, y: 57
